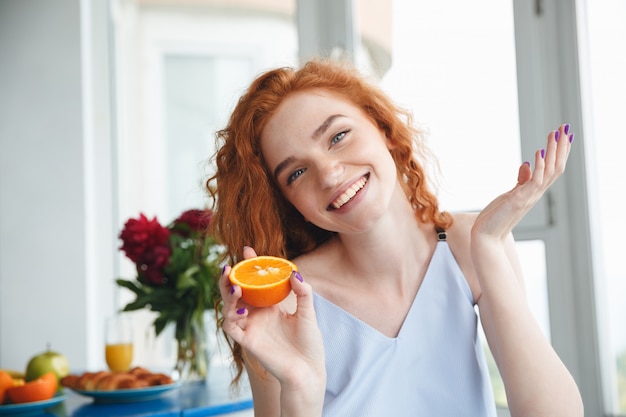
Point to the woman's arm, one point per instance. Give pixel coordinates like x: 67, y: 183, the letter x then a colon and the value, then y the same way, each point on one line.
x: 536, y: 381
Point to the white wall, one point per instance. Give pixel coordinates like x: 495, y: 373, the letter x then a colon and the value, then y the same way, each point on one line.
x: 51, y: 285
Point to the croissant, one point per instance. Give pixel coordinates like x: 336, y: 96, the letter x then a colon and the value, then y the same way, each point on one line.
x: 120, y: 381
x: 155, y: 379
x: 107, y: 381
x: 89, y: 380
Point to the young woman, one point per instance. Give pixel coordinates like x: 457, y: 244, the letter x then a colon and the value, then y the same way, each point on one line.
x: 318, y: 165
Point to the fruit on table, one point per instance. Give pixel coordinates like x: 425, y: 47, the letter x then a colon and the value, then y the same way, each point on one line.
x: 6, y: 382
x: 48, y: 361
x: 41, y: 389
x: 264, y: 280
x: 14, y: 374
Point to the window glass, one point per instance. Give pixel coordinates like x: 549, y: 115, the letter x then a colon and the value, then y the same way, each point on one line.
x: 180, y: 68
x: 456, y: 72
x: 605, y: 146
x: 196, y: 89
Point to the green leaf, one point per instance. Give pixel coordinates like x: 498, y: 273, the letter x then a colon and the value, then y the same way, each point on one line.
x: 131, y: 285
x: 186, y: 279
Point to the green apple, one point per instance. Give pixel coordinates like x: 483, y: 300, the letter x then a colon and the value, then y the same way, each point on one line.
x: 46, y: 362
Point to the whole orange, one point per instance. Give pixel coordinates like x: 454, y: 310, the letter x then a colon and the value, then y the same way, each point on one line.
x: 264, y: 280
x: 40, y: 389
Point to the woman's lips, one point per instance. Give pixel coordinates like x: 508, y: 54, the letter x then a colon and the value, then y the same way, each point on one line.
x: 349, y: 193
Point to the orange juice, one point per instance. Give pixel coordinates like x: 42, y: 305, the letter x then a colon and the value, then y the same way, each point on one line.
x: 119, y: 356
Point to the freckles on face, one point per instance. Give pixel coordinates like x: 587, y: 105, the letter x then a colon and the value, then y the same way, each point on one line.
x: 322, y: 151
x: 310, y: 121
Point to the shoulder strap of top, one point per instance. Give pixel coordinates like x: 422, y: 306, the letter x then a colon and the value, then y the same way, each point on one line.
x: 441, y: 234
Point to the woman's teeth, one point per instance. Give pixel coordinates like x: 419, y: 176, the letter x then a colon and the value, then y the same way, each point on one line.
x: 350, y: 192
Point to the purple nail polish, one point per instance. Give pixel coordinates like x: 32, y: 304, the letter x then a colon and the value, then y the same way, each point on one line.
x: 299, y: 277
x: 566, y: 129
x: 526, y: 163
x: 543, y: 153
x: 571, y: 138
x: 241, y: 310
x: 232, y: 289
x: 223, y: 269
x: 556, y: 135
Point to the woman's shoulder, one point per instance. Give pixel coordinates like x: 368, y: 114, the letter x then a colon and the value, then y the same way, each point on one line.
x: 459, y: 234
x: 462, y: 226
x: 459, y: 239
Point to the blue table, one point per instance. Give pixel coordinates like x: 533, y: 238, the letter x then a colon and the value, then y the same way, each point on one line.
x: 210, y: 398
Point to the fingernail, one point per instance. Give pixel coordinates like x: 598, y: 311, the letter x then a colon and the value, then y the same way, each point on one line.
x: 526, y: 163
x: 232, y: 289
x: 543, y: 153
x: 566, y: 129
x: 571, y: 138
x: 223, y: 269
x: 299, y: 277
x: 241, y: 310
x: 556, y: 135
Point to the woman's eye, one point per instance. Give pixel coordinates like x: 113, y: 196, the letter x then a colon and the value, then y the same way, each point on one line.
x: 338, y: 138
x: 294, y: 175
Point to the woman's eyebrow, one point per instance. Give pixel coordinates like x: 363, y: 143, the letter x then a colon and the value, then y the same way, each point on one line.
x: 318, y: 132
x: 280, y: 167
x: 324, y: 126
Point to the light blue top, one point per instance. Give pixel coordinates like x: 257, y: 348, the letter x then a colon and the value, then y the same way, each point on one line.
x: 435, y: 367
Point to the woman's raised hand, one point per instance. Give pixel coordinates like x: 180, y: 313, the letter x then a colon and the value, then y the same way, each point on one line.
x: 287, y: 343
x: 499, y: 218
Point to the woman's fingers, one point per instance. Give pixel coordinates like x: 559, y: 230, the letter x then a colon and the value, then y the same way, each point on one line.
x: 304, y: 294
x: 248, y: 252
x: 550, y: 162
x: 502, y: 214
x: 524, y: 173
x: 230, y: 296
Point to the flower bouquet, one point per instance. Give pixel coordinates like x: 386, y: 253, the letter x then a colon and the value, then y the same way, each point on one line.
x: 177, y: 277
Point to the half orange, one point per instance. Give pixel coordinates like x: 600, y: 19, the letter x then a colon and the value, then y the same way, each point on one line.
x: 40, y: 389
x: 264, y: 280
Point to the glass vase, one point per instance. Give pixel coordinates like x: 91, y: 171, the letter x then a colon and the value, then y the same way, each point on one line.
x: 192, y: 360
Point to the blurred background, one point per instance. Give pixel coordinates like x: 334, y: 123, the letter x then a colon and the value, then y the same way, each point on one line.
x: 108, y: 108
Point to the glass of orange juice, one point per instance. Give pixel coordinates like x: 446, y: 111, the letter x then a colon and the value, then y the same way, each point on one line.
x: 119, y: 343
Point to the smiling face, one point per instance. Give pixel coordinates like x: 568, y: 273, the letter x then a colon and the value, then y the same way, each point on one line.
x: 330, y: 161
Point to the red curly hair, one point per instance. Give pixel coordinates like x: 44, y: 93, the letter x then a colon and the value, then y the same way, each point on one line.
x: 249, y: 206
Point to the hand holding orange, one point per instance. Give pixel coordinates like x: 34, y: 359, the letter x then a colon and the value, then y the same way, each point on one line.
x: 264, y: 280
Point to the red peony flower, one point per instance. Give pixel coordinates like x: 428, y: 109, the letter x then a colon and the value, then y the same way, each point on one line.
x: 196, y: 220
x: 146, y: 242
x: 150, y: 275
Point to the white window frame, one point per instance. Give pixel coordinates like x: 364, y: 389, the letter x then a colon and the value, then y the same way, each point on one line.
x: 550, y: 93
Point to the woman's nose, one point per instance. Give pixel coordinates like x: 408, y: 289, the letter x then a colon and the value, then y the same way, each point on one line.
x: 329, y: 172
